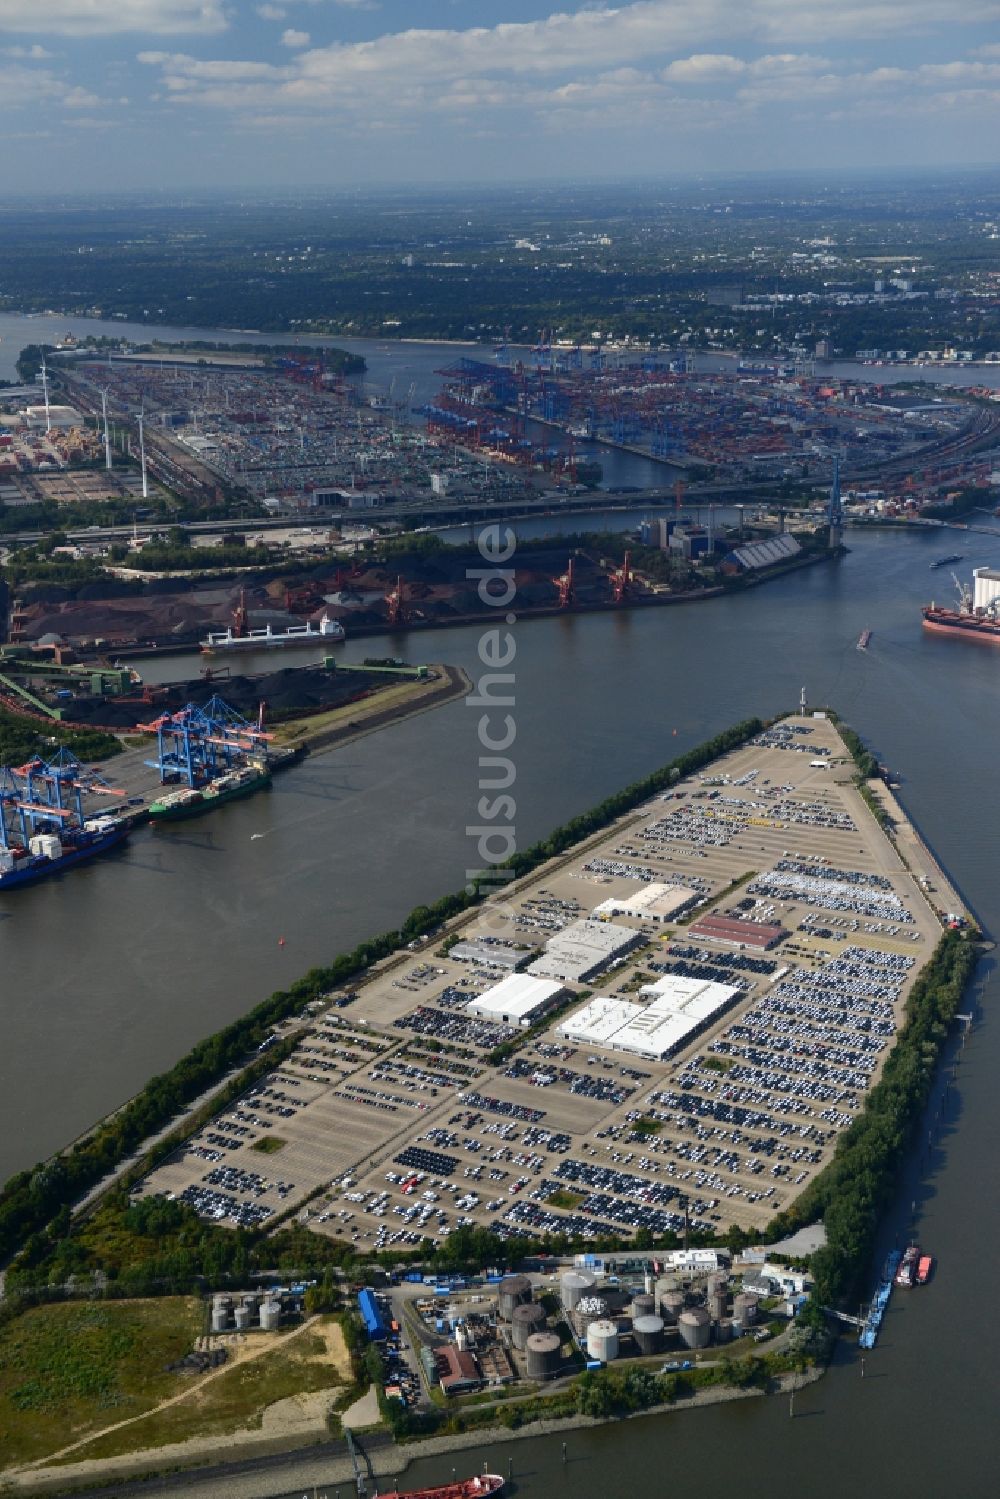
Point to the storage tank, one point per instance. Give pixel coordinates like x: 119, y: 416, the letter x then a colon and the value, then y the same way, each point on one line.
x: 717, y: 1304
x: 744, y: 1310
x: 542, y: 1354
x: 526, y: 1319
x: 716, y: 1283
x: 242, y: 1316
x: 724, y: 1330
x: 695, y: 1327
x: 575, y: 1285
x: 648, y: 1333
x: 514, y: 1290
x: 270, y: 1315
x: 647, y: 1284
x: 602, y: 1340
x: 643, y: 1305
x: 220, y: 1318
x: 670, y: 1306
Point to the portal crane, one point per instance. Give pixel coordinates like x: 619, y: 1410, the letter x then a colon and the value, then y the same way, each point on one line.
x: 622, y: 579
x: 567, y: 586
x: 395, y: 603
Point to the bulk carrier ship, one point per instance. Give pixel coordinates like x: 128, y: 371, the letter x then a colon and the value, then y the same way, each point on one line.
x: 240, y: 637
x: 978, y: 614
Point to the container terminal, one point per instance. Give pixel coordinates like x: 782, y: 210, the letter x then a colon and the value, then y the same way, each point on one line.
x: 615, y: 1057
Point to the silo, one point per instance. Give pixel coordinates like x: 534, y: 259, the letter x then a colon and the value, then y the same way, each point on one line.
x: 648, y: 1332
x: 220, y: 1317
x: 744, y: 1310
x: 716, y: 1283
x: 647, y: 1283
x: 514, y: 1290
x: 724, y: 1330
x: 717, y: 1304
x: 602, y: 1341
x: 242, y: 1316
x: 542, y: 1354
x: 270, y: 1315
x: 575, y: 1285
x: 695, y: 1327
x: 671, y: 1306
x: 643, y: 1306
x: 526, y: 1319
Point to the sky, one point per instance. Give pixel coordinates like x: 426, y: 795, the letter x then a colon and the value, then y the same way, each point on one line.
x: 216, y: 94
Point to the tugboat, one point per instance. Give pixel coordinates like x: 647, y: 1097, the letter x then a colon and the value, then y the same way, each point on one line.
x: 907, y: 1273
x: 864, y: 640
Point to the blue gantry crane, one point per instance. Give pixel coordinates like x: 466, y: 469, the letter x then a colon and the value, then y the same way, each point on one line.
x: 46, y: 796
x: 198, y: 743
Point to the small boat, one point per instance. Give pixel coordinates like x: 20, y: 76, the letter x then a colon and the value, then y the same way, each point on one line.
x: 925, y: 1268
x: 907, y: 1272
x: 944, y: 561
x: 864, y: 639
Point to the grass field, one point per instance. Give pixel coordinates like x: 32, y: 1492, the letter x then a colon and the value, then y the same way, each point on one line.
x: 236, y: 1400
x: 69, y: 1369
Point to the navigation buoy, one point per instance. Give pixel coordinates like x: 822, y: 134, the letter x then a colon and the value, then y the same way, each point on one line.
x: 281, y: 941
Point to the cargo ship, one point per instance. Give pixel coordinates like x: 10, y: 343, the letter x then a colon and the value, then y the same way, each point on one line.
x: 327, y: 632
x: 47, y: 854
x: 961, y: 622
x: 191, y: 801
x: 943, y: 561
x: 864, y: 640
x: 466, y: 1488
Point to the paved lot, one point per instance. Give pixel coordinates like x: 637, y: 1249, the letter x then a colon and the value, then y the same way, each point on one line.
x: 391, y: 1105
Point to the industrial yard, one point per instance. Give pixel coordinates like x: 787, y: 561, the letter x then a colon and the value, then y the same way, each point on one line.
x: 669, y: 1030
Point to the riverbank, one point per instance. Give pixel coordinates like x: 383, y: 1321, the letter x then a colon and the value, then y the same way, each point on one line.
x: 393, y: 705
x: 252, y: 1466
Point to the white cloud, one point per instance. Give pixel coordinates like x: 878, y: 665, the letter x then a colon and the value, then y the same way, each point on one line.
x: 294, y: 39
x: 271, y: 12
x: 27, y: 87
x: 105, y: 17
x: 34, y: 53
x: 648, y: 64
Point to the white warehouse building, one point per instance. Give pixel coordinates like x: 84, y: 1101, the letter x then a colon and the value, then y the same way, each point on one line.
x: 518, y: 1000
x: 657, y: 903
x: 674, y: 1012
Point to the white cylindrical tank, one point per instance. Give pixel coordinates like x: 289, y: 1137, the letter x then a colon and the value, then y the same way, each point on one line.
x: 242, y: 1318
x: 270, y: 1315
x: 602, y: 1340
x: 220, y: 1318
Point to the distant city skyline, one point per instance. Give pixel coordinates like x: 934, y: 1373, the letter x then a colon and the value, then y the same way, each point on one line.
x: 188, y: 94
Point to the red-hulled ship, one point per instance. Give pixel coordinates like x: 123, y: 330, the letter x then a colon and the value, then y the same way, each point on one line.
x: 959, y: 622
x: 469, y: 1488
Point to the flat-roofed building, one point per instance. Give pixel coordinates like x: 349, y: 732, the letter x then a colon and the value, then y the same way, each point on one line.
x: 671, y: 1014
x: 653, y: 902
x: 518, y: 1000
x: 583, y: 949
x: 758, y: 934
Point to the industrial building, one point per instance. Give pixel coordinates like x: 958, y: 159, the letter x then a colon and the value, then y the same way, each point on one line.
x: 675, y: 1011
x: 986, y: 582
x: 584, y: 949
x: 760, y: 554
x: 756, y: 934
x: 653, y: 902
x: 518, y: 1000
x: 371, y: 1315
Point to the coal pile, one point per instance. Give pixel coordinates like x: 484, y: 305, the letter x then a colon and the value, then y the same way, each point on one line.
x: 199, y: 1363
x: 288, y: 693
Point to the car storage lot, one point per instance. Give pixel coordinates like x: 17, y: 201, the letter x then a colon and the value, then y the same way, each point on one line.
x: 562, y: 1134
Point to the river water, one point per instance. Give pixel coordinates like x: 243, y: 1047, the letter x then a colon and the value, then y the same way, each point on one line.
x: 109, y: 974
